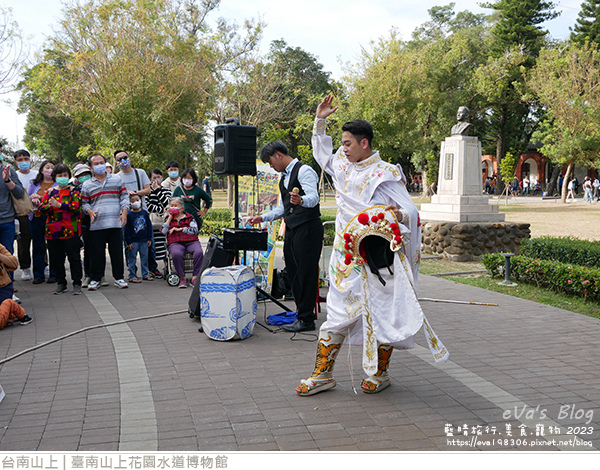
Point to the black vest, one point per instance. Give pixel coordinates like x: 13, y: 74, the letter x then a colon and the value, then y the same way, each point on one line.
x: 295, y: 215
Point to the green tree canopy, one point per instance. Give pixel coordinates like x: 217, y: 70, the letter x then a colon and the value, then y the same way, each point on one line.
x: 516, y: 39
x: 587, y: 25
x: 121, y: 69
x: 566, y: 82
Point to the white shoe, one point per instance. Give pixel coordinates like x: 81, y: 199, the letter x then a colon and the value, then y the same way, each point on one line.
x: 94, y: 285
x: 26, y: 275
x: 46, y: 272
x: 121, y: 284
x: 103, y: 282
x: 16, y: 299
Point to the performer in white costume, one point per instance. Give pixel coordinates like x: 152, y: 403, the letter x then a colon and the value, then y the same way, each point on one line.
x: 377, y: 308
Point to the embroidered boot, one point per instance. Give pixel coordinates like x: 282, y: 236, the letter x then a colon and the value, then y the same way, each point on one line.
x: 322, y: 379
x: 379, y: 381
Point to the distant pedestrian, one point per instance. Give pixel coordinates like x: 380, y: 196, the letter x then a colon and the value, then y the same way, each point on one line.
x: 596, y: 187
x: 587, y: 188
x: 206, y: 184
x: 571, y: 189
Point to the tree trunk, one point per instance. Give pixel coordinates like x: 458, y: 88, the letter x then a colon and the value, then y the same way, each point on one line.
x: 230, y: 191
x: 552, y: 185
x: 500, y: 153
x: 563, y: 194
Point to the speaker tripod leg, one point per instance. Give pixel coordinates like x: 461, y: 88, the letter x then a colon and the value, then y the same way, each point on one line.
x: 275, y: 301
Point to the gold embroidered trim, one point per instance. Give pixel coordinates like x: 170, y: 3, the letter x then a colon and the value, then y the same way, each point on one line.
x: 320, y: 126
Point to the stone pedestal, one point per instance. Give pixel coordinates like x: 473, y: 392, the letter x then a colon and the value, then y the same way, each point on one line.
x: 470, y: 241
x: 460, y: 192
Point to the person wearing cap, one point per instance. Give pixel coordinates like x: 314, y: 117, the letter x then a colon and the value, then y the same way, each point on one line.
x: 82, y: 173
x: 374, y: 264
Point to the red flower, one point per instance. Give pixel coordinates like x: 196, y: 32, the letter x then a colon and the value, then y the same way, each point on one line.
x: 398, y: 238
x: 381, y: 216
x: 394, y: 226
x: 374, y: 219
x: 363, y: 218
x: 397, y: 231
x: 347, y: 237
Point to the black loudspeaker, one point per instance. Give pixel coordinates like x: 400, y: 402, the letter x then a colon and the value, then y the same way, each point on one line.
x: 235, y: 149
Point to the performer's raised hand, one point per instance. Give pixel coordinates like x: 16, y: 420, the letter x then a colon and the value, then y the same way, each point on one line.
x: 324, y: 110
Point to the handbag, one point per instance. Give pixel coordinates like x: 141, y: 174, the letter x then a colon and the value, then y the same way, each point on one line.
x: 157, y: 220
x: 22, y: 206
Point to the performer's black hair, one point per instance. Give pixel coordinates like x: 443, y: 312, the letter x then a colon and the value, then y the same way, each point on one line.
x: 360, y: 129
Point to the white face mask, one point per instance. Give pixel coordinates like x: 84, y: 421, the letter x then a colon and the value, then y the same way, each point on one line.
x: 136, y: 205
x: 188, y: 182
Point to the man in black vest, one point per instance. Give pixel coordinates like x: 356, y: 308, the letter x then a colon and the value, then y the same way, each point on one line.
x: 299, y: 208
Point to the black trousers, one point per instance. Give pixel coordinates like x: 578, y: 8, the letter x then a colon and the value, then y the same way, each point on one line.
x: 69, y: 248
x: 24, y: 242
x: 98, y: 241
x: 302, y: 251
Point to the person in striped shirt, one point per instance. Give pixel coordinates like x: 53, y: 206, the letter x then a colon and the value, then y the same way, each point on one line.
x: 104, y: 198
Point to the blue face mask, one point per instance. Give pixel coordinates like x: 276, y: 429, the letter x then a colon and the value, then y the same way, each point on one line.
x: 24, y: 165
x: 83, y: 179
x: 99, y: 169
x: 173, y: 174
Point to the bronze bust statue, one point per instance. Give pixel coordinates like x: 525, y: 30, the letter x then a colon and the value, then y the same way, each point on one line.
x: 462, y: 127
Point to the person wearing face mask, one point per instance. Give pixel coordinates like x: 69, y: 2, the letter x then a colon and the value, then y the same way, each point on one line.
x: 157, y: 202
x: 26, y: 174
x: 82, y: 173
x: 104, y: 198
x: 182, y: 236
x: 9, y: 185
x: 61, y: 205
x: 193, y: 196
x: 136, y: 181
x: 172, y: 180
x: 138, y: 239
x: 37, y: 188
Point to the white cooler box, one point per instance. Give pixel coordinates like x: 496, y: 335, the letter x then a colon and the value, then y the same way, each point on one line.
x: 228, y: 302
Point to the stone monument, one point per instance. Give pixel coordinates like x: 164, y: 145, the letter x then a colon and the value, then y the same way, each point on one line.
x: 459, y: 223
x: 460, y: 195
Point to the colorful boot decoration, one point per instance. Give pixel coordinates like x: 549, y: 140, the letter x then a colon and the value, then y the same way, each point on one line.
x: 379, y: 381
x: 322, y: 379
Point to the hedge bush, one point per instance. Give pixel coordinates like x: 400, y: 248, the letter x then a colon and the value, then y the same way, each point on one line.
x: 215, y: 221
x: 570, y: 279
x: 568, y: 250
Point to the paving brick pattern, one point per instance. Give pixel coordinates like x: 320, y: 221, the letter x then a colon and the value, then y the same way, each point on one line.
x: 190, y: 393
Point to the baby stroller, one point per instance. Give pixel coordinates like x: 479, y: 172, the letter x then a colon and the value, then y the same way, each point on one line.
x: 171, y: 275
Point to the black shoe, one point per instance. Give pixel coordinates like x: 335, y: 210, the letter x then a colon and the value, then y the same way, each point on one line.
x: 26, y: 320
x: 157, y: 274
x: 300, y: 325
x: 37, y: 281
x: 51, y: 280
x: 60, y: 289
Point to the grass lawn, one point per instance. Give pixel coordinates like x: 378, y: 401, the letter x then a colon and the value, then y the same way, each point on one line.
x: 523, y: 291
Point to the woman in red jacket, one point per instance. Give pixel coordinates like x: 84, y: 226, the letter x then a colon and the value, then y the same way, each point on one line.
x: 182, y: 236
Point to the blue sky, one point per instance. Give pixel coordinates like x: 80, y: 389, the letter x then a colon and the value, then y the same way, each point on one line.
x: 333, y: 30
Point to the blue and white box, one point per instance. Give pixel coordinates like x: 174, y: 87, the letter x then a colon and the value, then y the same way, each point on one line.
x: 228, y: 302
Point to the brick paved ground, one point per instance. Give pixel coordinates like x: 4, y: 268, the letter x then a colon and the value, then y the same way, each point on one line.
x: 159, y: 384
